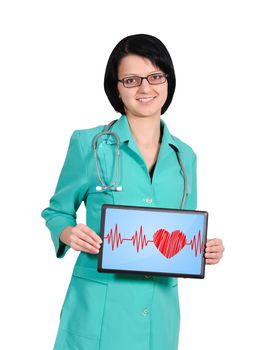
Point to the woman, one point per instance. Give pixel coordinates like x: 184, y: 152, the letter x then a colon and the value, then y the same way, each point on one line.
x: 123, y: 311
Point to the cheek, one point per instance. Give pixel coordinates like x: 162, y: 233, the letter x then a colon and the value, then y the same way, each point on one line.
x: 163, y: 93
x: 126, y: 95
x: 121, y: 91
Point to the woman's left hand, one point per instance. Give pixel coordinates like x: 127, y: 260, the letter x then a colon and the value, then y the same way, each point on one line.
x: 214, y: 251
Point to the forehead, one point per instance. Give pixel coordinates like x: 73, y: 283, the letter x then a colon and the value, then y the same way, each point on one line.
x: 134, y: 64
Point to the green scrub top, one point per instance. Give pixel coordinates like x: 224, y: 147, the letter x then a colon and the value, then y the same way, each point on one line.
x: 117, y: 311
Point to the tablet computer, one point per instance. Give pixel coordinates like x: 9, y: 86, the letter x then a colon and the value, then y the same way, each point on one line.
x: 153, y: 241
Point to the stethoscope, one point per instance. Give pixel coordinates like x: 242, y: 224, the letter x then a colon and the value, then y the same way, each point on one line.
x: 112, y: 186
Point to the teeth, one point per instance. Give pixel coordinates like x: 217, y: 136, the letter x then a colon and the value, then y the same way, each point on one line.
x: 146, y: 99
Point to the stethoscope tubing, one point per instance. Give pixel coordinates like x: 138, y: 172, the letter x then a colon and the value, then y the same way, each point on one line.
x: 185, y: 179
x: 119, y: 188
x: 107, y: 132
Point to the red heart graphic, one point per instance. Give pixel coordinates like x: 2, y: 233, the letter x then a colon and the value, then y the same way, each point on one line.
x: 169, y: 244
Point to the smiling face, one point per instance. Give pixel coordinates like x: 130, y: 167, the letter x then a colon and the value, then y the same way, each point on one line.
x: 145, y: 100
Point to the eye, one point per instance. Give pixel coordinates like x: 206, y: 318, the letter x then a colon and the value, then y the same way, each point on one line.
x: 157, y: 76
x: 130, y: 80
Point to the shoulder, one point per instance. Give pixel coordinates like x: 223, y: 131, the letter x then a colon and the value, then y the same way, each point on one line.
x: 185, y: 148
x: 85, y: 134
x: 84, y: 137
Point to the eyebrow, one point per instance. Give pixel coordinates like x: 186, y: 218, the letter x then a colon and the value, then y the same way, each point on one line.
x: 136, y: 75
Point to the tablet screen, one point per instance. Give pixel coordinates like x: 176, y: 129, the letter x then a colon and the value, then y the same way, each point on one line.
x: 153, y: 241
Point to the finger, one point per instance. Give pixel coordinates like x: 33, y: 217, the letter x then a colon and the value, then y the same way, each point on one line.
x: 215, y: 249
x: 213, y: 255
x: 84, y: 237
x: 84, y: 247
x: 212, y: 261
x: 213, y: 242
x: 76, y: 240
x: 88, y: 246
x: 84, y: 228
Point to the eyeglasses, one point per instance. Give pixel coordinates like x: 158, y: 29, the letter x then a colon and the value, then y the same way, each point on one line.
x: 153, y: 79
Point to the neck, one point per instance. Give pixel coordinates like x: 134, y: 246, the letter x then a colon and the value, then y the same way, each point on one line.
x: 145, y: 131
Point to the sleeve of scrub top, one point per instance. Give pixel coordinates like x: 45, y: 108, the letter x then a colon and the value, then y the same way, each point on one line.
x: 191, y: 202
x: 70, y: 191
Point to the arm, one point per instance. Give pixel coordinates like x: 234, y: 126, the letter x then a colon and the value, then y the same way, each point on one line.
x: 70, y: 191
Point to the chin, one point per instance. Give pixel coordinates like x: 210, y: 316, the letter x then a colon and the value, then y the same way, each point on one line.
x: 144, y: 112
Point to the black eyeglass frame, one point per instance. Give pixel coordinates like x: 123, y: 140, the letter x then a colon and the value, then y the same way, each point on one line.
x: 136, y: 76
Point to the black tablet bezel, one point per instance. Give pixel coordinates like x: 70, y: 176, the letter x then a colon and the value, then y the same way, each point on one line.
x: 150, y: 273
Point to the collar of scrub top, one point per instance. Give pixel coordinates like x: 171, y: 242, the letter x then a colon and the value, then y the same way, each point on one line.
x: 168, y: 145
x: 122, y: 129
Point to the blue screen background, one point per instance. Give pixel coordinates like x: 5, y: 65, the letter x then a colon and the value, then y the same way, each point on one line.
x: 126, y: 257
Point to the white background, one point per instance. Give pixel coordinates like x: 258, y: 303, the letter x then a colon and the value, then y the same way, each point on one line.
x: 52, y: 62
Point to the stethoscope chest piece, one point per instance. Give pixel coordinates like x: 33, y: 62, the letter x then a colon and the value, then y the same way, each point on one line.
x: 102, y: 188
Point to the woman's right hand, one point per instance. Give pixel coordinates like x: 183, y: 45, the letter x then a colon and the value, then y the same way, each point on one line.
x: 81, y: 238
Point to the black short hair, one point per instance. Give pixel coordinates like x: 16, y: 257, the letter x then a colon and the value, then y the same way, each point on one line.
x: 143, y: 45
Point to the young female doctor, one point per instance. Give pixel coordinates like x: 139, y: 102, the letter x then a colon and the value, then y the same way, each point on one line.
x: 123, y: 311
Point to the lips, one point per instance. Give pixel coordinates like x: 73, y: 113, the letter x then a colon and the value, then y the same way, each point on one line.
x: 145, y: 99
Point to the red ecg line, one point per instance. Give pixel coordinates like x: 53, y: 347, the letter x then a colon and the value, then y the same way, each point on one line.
x: 168, y: 244
x: 196, y: 244
x: 138, y: 240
